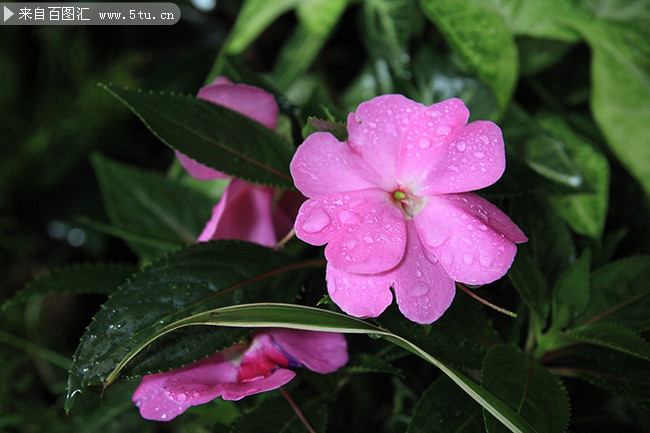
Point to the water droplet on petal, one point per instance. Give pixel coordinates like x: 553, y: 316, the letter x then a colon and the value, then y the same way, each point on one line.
x: 482, y: 227
x: 163, y: 416
x: 317, y: 221
x: 181, y: 397
x: 443, y: 130
x: 424, y: 143
x: 461, y: 146
x: 485, y: 139
x: 368, y: 239
x: 418, y: 273
x: 479, y: 155
x: 420, y: 289
x: 468, y: 259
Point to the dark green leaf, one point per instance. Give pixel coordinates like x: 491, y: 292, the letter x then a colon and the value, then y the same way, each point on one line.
x: 213, y: 135
x: 478, y: 33
x: 527, y: 387
x: 367, y: 363
x: 194, y: 279
x: 571, y: 292
x: 86, y: 278
x: 444, y: 408
x: 152, y: 214
x: 528, y: 279
x: 276, y: 415
x: 620, y: 293
x: 337, y: 129
x: 624, y: 375
x: 613, y: 336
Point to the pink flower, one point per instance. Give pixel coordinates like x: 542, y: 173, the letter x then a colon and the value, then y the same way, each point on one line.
x: 246, y: 211
x: 393, y: 204
x: 240, y: 370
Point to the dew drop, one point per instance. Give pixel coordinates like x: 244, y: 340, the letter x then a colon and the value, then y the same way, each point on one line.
x: 461, y: 146
x: 468, y: 259
x: 424, y: 143
x: 485, y: 139
x: 420, y: 289
x: 368, y: 239
x: 479, y: 155
x: 163, y: 416
x: 181, y: 397
x: 482, y: 227
x: 317, y: 221
x: 443, y: 130
x: 418, y: 273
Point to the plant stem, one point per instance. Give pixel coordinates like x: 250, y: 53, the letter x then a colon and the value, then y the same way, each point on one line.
x: 297, y: 410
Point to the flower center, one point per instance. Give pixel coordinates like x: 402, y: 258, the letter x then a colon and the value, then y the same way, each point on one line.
x: 409, y: 204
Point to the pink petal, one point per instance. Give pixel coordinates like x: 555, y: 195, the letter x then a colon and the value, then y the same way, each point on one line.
x: 244, y: 213
x: 250, y: 101
x: 427, y: 141
x: 464, y: 233
x: 198, y: 170
x: 237, y: 391
x: 365, y: 231
x: 376, y: 130
x: 479, y: 164
x: 163, y: 396
x: 324, y: 165
x: 423, y: 289
x: 359, y: 295
x: 261, y: 359
x: 322, y: 352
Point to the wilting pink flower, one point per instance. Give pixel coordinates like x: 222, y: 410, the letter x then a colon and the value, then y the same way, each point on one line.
x: 246, y: 211
x: 393, y: 204
x: 241, y: 370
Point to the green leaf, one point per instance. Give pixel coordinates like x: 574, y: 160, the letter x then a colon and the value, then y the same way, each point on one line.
x: 571, y: 292
x: 315, y: 319
x: 620, y: 97
x: 388, y: 26
x: 612, y: 336
x: 444, y: 408
x: 528, y: 279
x: 193, y: 279
x: 151, y: 213
x: 83, y: 278
x: 620, y: 293
x: 527, y: 387
x: 254, y: 17
x: 584, y: 212
x: 213, y: 135
x: 542, y: 19
x: 478, y: 33
x: 320, y: 16
x: 621, y: 374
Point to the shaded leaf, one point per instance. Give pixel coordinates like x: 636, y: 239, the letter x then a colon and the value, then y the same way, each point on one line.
x: 213, y: 135
x: 444, y: 408
x: 528, y: 279
x: 571, y: 292
x: 193, y: 279
x: 614, y: 337
x: 620, y: 293
x: 83, y: 278
x: 367, y: 363
x: 276, y: 415
x: 151, y: 213
x: 528, y: 388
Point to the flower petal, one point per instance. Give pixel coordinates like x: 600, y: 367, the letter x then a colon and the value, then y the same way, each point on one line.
x: 237, y: 391
x: 323, y: 165
x: 261, y: 359
x: 359, y: 295
x: 244, y: 212
x: 376, y: 130
x: 464, y: 233
x: 426, y: 141
x: 322, y: 352
x: 366, y: 233
x: 163, y: 396
x: 423, y: 289
x: 286, y: 211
